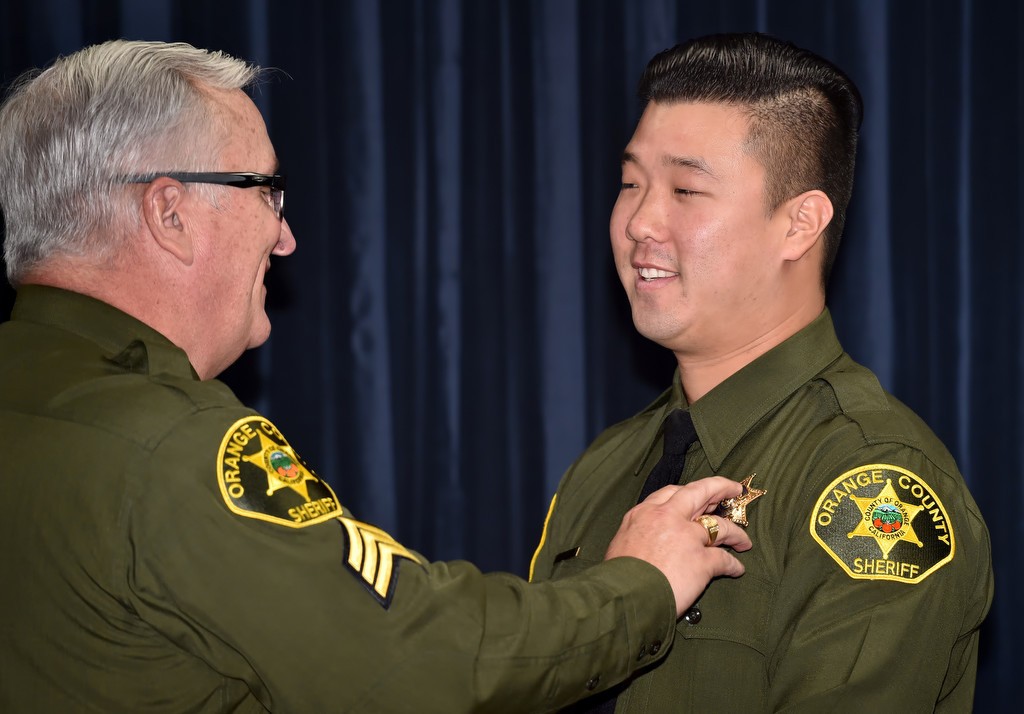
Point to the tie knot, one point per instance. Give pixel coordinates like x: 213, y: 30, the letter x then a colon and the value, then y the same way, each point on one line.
x: 679, y: 432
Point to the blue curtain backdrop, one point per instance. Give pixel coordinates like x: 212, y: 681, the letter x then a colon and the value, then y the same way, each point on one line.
x: 450, y: 333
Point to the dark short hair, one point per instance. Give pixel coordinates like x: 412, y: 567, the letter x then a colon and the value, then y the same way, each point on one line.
x: 804, y: 112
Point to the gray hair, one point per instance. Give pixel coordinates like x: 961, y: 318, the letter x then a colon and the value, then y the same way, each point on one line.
x: 71, y: 133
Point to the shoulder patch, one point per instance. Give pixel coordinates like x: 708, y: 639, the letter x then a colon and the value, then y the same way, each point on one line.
x: 882, y: 522
x: 261, y: 476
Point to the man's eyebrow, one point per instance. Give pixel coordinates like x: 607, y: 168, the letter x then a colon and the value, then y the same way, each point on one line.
x: 689, y: 162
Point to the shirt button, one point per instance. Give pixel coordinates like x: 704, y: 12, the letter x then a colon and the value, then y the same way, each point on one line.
x: 593, y: 682
x: 692, y: 615
x: 654, y: 649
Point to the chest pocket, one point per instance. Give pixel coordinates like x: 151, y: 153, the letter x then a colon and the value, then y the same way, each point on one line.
x: 730, y: 610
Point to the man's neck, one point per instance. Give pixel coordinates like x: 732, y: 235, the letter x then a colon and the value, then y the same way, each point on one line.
x: 700, y: 373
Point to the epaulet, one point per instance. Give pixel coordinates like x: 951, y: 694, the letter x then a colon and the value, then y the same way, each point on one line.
x: 857, y: 390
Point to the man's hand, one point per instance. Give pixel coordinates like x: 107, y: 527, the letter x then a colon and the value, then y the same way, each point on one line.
x: 663, y: 531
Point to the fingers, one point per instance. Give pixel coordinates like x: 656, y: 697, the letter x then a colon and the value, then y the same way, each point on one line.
x: 730, y: 534
x: 662, y: 495
x: 697, y: 497
x: 707, y: 492
x: 664, y: 531
x: 724, y: 563
x: 701, y: 497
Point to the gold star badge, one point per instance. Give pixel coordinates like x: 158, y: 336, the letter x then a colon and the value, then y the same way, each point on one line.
x: 735, y: 509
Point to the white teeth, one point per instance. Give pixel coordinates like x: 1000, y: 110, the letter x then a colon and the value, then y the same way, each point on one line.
x: 652, y: 273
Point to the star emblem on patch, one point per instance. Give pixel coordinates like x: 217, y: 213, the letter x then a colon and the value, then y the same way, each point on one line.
x: 886, y: 519
x: 282, y: 467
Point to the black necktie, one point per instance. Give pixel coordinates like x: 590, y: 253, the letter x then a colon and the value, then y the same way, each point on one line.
x: 679, y: 434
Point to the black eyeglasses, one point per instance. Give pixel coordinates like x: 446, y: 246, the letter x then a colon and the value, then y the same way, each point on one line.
x: 275, y: 182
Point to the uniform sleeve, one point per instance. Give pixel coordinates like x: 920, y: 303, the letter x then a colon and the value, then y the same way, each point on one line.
x: 886, y: 581
x: 330, y: 614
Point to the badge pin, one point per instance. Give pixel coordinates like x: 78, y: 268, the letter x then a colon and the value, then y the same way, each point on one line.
x: 735, y: 509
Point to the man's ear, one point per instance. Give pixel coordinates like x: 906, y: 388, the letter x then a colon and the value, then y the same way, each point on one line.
x: 165, y: 206
x: 809, y: 214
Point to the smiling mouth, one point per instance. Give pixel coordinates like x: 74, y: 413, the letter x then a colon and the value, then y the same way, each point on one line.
x: 649, y: 274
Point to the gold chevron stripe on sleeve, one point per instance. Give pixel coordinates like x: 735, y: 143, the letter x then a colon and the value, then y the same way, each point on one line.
x: 371, y: 554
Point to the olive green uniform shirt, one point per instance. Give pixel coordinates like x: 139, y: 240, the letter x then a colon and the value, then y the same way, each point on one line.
x: 165, y: 550
x: 871, y: 567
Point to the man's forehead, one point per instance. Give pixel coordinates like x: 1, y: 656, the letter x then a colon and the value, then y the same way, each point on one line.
x: 244, y: 131
x: 237, y: 110
x: 688, y: 135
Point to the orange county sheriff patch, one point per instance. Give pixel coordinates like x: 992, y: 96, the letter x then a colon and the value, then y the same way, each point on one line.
x: 262, y: 477
x: 882, y: 522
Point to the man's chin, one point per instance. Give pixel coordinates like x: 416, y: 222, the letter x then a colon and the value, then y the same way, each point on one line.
x: 260, y: 332
x: 660, y: 331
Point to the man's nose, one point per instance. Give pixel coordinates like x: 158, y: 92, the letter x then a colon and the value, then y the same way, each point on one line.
x: 286, y: 241
x: 647, y: 221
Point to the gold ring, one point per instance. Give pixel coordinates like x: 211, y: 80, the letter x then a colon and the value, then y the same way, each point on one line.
x: 711, y: 526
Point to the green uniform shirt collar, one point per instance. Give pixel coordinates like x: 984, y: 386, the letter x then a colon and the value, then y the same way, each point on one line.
x: 725, y: 414
x: 131, y: 343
